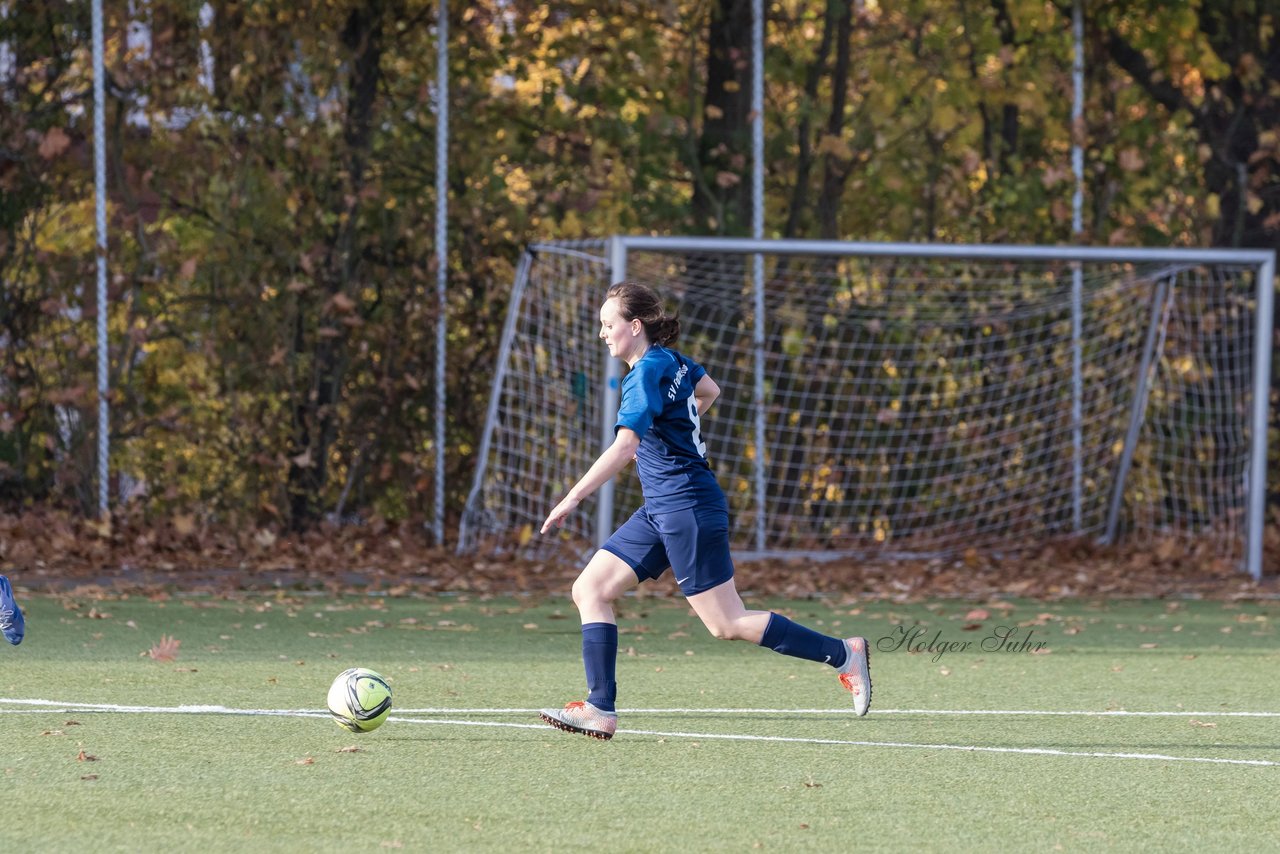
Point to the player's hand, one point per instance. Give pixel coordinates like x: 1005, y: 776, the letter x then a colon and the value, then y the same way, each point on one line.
x: 560, y: 512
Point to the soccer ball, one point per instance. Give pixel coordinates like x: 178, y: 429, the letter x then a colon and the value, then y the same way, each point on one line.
x: 359, y: 700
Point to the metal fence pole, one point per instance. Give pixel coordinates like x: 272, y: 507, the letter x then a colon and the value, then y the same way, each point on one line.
x: 442, y: 253
x: 757, y: 269
x: 100, y: 215
x: 1077, y: 284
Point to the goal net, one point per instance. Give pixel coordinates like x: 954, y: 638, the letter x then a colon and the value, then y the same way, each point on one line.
x: 886, y: 401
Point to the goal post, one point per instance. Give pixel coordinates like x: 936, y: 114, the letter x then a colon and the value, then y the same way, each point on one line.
x: 887, y: 400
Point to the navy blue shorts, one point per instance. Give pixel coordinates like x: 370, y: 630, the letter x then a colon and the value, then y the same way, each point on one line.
x: 694, y: 543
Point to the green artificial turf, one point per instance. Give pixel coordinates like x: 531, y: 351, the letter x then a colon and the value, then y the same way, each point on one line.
x: 677, y: 777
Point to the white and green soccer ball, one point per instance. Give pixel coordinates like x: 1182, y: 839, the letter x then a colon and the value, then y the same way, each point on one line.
x: 359, y: 699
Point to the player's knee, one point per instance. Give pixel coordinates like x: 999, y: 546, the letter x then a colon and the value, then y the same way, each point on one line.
x: 586, y: 593
x: 723, y: 629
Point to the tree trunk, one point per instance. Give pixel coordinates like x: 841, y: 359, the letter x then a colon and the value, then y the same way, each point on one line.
x: 836, y: 165
x: 797, y: 210
x: 315, y: 416
x: 1009, y: 111
x: 721, y: 194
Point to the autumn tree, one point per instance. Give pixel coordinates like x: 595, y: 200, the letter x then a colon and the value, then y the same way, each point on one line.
x: 1216, y: 63
x: 272, y: 173
x: 45, y: 293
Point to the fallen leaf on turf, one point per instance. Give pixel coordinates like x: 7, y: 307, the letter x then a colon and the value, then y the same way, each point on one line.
x: 165, y: 650
x: 307, y: 761
x: 85, y: 757
x: 53, y: 732
x: 978, y: 614
x: 351, y: 749
x: 1206, y: 724
x: 89, y: 777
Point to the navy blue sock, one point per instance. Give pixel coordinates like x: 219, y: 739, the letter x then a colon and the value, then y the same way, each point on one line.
x: 788, y: 638
x: 600, y: 657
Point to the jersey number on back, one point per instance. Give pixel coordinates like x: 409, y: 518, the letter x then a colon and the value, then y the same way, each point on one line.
x: 697, y: 426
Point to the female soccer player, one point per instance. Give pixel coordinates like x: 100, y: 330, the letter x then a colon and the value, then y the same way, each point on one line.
x: 683, y: 523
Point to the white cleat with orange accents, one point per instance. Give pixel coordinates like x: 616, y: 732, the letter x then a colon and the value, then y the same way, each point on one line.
x: 855, y: 675
x: 583, y: 718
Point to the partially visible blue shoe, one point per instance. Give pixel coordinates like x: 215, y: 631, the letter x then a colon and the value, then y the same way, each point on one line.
x: 12, y: 626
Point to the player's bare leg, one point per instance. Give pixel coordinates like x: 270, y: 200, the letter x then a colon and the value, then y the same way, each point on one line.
x: 726, y: 617
x: 722, y: 612
x: 605, y: 577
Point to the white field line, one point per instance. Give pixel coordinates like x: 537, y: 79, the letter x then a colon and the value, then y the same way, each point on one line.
x: 1118, y: 713
x: 440, y: 710
x: 49, y: 706
x: 967, y: 748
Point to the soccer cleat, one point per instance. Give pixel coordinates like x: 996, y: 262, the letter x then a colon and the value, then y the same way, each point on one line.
x: 12, y: 626
x: 855, y: 675
x: 583, y: 718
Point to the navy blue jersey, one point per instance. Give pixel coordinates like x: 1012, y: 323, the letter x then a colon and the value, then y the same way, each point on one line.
x: 658, y: 404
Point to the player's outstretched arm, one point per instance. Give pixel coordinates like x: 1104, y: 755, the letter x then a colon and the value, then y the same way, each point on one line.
x: 613, y: 460
x: 705, y: 393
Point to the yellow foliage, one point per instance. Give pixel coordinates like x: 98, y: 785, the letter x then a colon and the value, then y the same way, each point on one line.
x: 519, y: 187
